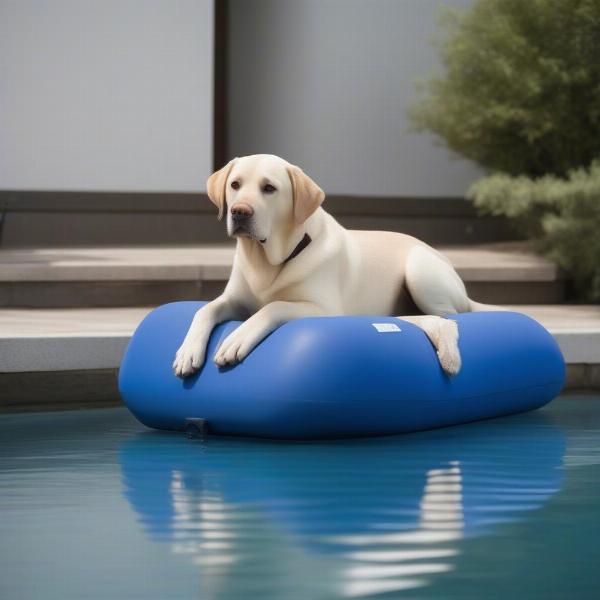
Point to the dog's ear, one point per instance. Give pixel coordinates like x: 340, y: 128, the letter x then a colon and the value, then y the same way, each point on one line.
x: 308, y: 196
x: 215, y: 186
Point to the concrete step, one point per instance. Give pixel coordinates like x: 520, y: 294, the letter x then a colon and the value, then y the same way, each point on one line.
x: 133, y: 276
x: 83, y: 218
x: 67, y: 358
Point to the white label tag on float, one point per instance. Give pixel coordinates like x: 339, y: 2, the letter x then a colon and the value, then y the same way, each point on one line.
x: 386, y: 327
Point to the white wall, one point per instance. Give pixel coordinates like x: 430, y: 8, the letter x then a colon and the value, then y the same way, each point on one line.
x: 326, y: 84
x: 106, y: 94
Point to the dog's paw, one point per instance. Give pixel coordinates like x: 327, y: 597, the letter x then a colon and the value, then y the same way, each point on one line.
x: 188, y: 359
x: 233, y: 349
x: 229, y: 353
x: 448, y: 352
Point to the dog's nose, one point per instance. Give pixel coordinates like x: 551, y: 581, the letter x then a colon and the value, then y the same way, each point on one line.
x: 241, y: 211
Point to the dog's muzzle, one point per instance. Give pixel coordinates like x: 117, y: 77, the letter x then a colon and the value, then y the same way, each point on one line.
x: 241, y: 212
x: 241, y: 220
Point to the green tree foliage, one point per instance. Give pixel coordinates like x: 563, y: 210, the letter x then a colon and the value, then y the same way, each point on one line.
x: 521, y: 89
x: 521, y: 96
x: 562, y: 214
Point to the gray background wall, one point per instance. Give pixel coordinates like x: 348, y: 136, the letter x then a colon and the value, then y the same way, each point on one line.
x: 117, y: 94
x: 106, y: 94
x: 326, y: 84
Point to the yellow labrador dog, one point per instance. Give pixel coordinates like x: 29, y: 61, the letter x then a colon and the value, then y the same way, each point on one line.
x: 295, y: 260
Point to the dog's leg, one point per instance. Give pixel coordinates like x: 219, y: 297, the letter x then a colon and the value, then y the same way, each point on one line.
x: 190, y: 356
x: 238, y: 344
x: 434, y: 285
x: 443, y: 334
x: 437, y: 290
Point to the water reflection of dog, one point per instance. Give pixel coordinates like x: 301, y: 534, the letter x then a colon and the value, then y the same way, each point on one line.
x: 367, y: 516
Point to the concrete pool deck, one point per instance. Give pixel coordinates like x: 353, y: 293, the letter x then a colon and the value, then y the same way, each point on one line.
x: 70, y: 356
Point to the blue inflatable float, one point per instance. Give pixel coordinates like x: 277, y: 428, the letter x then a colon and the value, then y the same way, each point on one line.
x: 334, y: 377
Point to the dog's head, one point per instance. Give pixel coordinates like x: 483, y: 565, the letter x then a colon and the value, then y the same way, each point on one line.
x: 265, y: 197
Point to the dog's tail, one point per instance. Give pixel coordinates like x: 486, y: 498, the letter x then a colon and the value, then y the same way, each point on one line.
x: 480, y: 307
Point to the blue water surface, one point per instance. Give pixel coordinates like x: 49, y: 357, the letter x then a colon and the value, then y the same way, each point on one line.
x: 93, y: 505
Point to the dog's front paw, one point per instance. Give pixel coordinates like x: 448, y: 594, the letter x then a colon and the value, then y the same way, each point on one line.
x: 188, y: 359
x: 232, y: 350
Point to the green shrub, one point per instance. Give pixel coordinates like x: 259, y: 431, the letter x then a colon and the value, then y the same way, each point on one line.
x: 562, y: 215
x: 521, y: 89
x: 521, y: 95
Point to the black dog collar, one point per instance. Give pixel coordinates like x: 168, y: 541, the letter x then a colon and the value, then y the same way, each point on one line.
x: 305, y: 241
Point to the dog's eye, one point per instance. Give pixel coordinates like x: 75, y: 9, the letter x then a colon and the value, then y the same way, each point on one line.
x: 269, y: 189
x: 235, y: 185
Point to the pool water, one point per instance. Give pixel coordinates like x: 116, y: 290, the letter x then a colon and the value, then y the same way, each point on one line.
x: 93, y: 505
